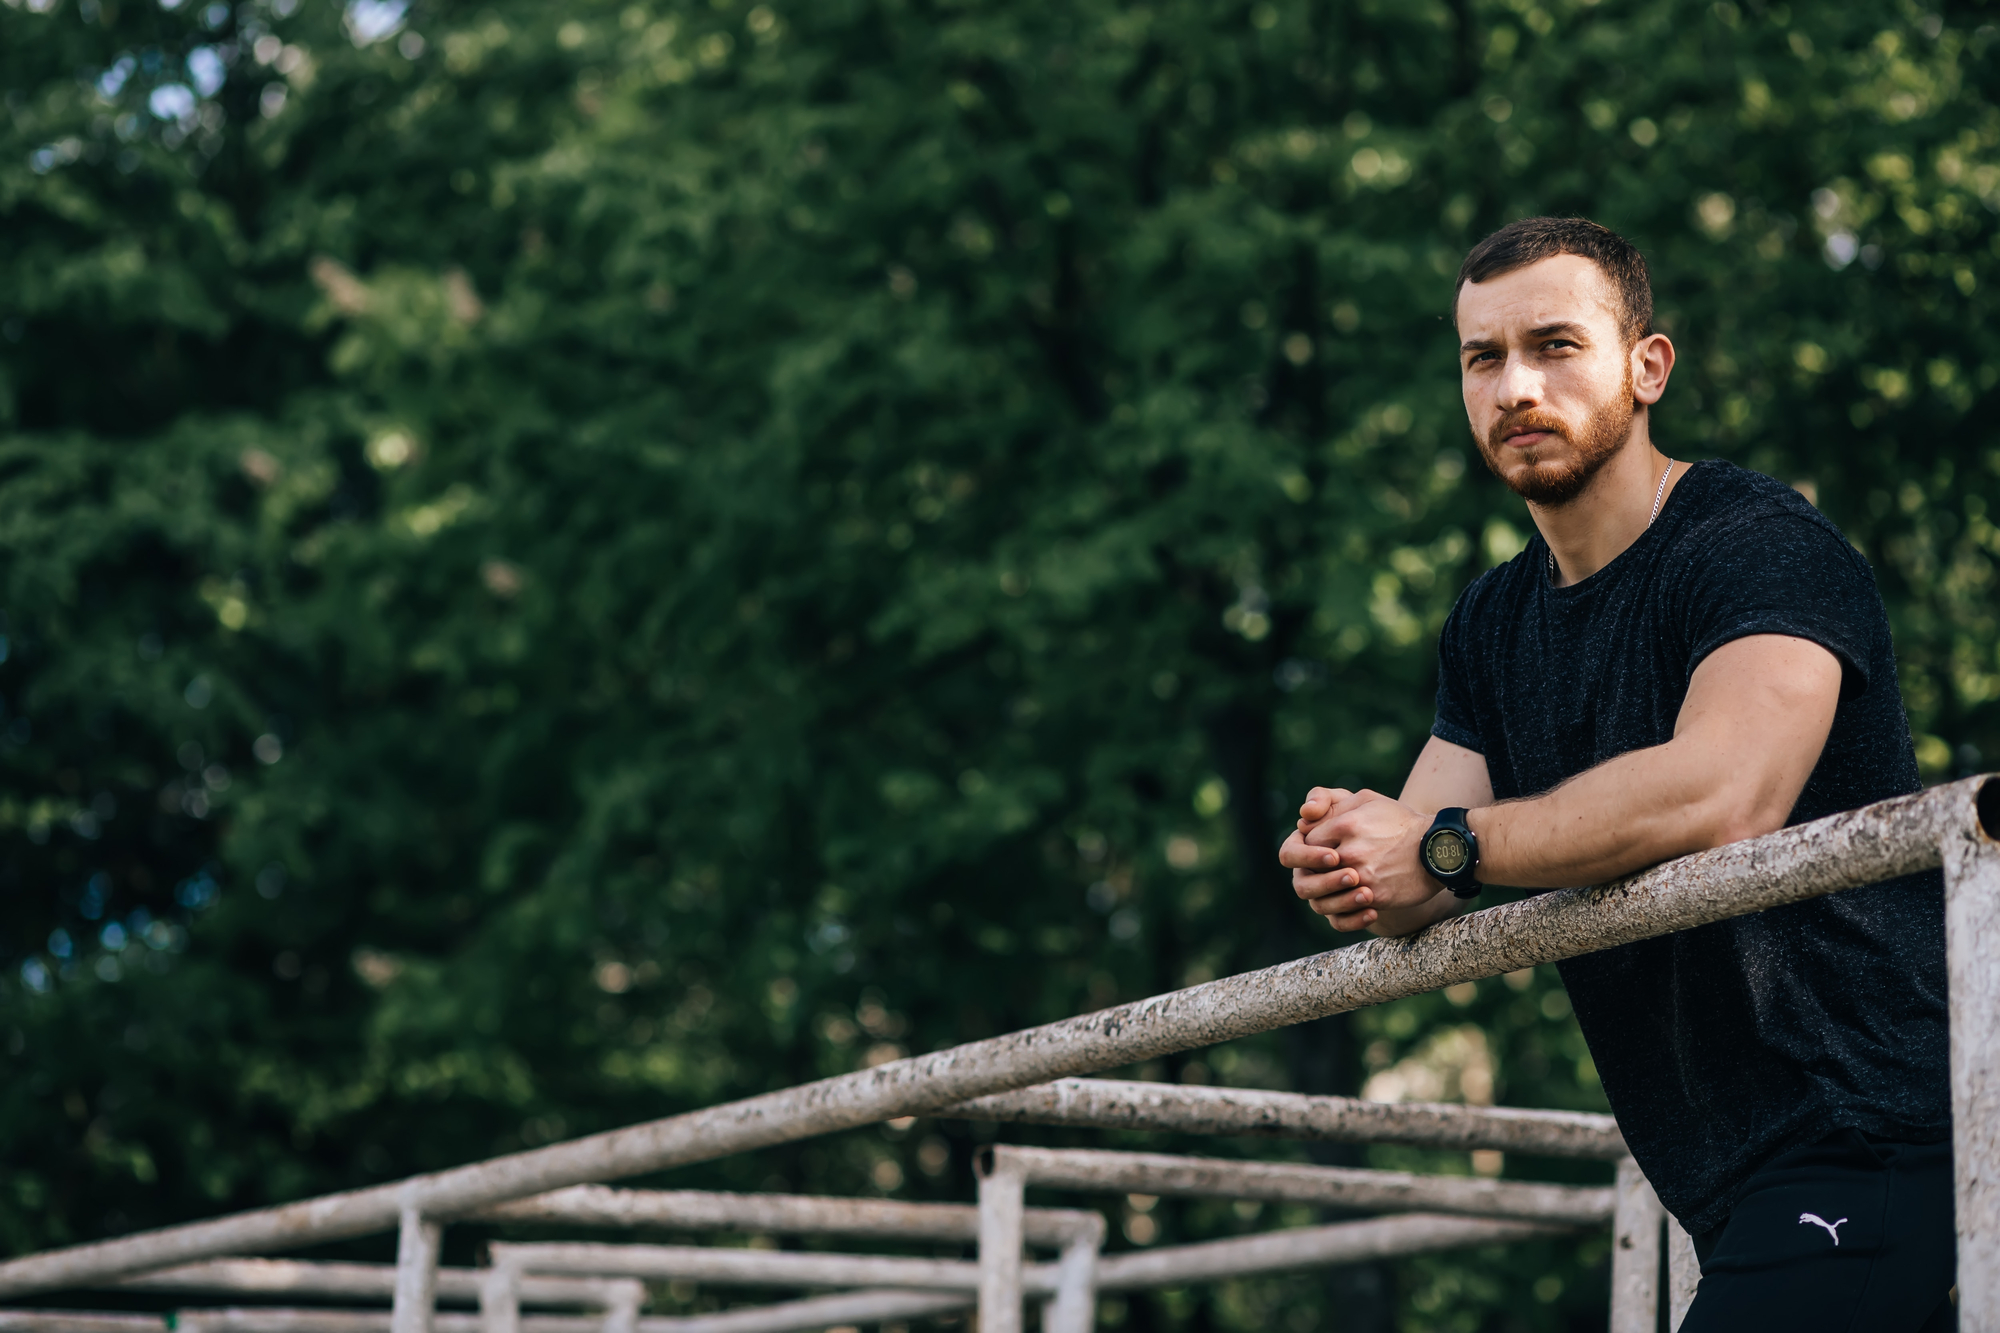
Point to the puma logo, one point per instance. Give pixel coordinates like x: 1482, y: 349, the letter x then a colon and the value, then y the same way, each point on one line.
x: 1832, y: 1228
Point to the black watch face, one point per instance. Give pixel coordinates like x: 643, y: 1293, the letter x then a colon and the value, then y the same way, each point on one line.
x: 1447, y: 852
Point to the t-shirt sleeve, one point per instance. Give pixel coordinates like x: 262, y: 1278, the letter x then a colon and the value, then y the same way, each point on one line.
x: 1456, y: 721
x: 1786, y: 574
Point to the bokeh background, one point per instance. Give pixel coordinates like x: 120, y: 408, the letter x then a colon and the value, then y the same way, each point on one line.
x: 563, y: 563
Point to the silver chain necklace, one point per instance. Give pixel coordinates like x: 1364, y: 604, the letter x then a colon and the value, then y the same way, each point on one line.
x: 1555, y: 573
x: 1660, y: 494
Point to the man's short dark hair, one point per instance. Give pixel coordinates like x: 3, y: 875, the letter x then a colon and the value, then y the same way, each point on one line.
x: 1531, y: 240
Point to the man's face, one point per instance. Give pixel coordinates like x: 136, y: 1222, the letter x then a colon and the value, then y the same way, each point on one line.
x: 1546, y: 374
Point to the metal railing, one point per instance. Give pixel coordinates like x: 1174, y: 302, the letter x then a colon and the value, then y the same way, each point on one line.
x: 1027, y: 1077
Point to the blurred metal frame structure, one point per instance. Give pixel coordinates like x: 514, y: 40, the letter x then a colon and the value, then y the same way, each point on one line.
x: 1952, y: 826
x: 1005, y: 1172
x: 300, y: 1277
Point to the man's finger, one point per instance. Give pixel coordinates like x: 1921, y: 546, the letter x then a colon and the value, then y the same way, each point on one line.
x: 1321, y: 799
x: 1354, y: 800
x: 1308, y: 885
x: 1341, y: 891
x: 1298, y: 854
x: 1328, y: 832
x: 1353, y: 920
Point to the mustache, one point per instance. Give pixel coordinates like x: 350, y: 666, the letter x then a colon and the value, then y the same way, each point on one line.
x: 1521, y: 422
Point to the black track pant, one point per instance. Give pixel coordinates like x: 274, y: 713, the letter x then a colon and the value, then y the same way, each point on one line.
x: 1852, y: 1234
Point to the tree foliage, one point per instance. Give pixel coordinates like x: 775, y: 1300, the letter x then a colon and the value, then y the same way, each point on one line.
x: 566, y: 563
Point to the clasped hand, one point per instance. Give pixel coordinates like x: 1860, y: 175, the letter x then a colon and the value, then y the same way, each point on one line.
x: 1353, y: 858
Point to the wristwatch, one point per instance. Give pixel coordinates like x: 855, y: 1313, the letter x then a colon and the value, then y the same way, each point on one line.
x: 1450, y: 852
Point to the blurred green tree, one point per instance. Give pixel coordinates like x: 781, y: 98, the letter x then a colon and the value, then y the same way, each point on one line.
x: 567, y: 563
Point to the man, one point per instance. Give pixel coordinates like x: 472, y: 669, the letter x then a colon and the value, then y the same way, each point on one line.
x: 1682, y: 657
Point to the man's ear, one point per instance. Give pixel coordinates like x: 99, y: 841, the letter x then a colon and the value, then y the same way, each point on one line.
x: 1652, y: 363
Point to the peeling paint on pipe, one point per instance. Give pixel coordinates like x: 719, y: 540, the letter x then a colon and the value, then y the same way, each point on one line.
x: 778, y: 1214
x: 1288, y: 1182
x: 1102, y: 1103
x: 1308, y: 1247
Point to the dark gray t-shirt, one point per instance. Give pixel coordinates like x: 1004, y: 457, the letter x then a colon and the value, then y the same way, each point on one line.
x: 1721, y: 1046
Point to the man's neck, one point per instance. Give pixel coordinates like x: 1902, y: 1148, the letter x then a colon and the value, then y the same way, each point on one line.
x: 1594, y: 529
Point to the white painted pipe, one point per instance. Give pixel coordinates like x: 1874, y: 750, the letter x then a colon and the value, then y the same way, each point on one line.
x: 500, y: 1297
x: 1000, y: 1184
x: 813, y: 1312
x: 1308, y: 1247
x: 1972, y: 949
x: 778, y: 1214
x: 418, y: 1241
x: 1635, y: 1253
x: 623, y: 1316
x: 1683, y: 1274
x: 1074, y: 1310
x: 272, y: 1319
x: 1866, y: 846
x: 1288, y: 1182
x: 79, y: 1321
x: 1102, y: 1103
x: 305, y: 1277
x: 758, y: 1268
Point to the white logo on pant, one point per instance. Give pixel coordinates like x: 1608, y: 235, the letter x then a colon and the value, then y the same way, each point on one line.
x: 1832, y: 1228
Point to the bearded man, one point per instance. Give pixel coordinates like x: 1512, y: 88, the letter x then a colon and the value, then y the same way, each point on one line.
x: 1682, y: 657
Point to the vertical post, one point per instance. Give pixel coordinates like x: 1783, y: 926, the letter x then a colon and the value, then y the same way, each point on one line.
x: 1074, y: 1310
x: 417, y: 1243
x: 1683, y: 1274
x: 1635, y: 1253
x: 1001, y: 1183
x: 621, y: 1312
x: 500, y: 1295
x: 1972, y: 952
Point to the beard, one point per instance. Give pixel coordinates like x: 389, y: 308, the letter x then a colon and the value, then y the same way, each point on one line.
x: 1554, y: 476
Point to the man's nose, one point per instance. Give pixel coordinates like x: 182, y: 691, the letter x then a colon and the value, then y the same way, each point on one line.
x: 1519, y: 385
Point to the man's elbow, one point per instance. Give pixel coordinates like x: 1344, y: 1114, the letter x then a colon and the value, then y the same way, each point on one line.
x: 1743, y: 817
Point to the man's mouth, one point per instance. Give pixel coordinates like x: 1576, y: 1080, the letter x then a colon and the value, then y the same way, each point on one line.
x: 1526, y: 437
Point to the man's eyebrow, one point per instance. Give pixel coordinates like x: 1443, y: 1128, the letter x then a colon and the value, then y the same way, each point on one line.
x: 1566, y: 328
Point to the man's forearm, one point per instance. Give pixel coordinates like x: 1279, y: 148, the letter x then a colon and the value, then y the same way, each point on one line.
x: 1628, y: 813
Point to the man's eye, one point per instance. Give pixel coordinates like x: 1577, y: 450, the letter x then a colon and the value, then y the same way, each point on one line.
x: 1556, y: 344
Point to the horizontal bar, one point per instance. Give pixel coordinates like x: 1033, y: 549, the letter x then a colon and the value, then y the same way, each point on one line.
x: 253, y: 1319
x: 1102, y: 1103
x: 757, y: 1268
x: 1308, y: 1247
x: 302, y: 1277
x: 1291, y: 1182
x: 1865, y: 846
x: 777, y: 1214
x: 816, y: 1312
x: 799, y: 1316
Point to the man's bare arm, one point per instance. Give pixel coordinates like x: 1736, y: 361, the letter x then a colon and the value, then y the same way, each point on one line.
x: 1755, y: 719
x: 1757, y: 714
